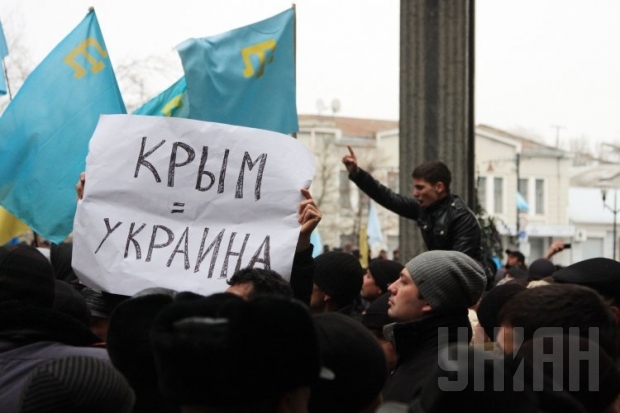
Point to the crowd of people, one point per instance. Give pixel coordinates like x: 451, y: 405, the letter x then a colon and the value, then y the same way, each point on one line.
x: 433, y: 333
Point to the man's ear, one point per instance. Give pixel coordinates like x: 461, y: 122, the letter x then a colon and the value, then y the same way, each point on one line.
x: 440, y: 187
x: 427, y: 308
x: 616, y: 312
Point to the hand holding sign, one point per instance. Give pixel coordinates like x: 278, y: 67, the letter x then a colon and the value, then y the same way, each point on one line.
x: 309, y: 218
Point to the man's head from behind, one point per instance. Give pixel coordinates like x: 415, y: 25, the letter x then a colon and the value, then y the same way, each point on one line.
x: 436, y: 281
x: 431, y: 182
x: 558, y: 306
x: 338, y: 279
x: 266, y: 346
x: 249, y: 283
x: 26, y: 276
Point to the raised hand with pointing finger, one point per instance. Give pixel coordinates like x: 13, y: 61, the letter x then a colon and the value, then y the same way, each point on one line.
x: 350, y: 162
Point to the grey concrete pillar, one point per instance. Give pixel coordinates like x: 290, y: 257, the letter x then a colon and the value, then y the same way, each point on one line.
x: 436, y: 98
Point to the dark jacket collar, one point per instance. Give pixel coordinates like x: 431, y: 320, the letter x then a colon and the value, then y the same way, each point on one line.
x: 441, y: 204
x: 411, y: 336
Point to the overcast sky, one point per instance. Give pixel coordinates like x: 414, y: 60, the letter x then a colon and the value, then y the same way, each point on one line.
x: 539, y: 63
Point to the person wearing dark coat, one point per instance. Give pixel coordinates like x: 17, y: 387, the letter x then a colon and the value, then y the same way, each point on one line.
x: 444, y: 219
x: 31, y: 331
x: 429, y: 302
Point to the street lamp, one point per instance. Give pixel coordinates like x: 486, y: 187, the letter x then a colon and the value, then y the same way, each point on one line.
x: 614, y: 210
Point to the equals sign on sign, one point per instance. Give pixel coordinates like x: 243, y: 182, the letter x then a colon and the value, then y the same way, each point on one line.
x: 180, y: 206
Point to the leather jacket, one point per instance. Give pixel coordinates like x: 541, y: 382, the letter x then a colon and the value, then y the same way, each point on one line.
x: 448, y: 224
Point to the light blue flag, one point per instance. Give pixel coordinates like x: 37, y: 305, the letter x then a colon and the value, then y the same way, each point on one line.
x: 522, y: 203
x: 317, y: 243
x: 171, y: 102
x: 374, y: 226
x: 244, y: 77
x: 44, y: 132
x: 4, y: 52
x: 4, y: 49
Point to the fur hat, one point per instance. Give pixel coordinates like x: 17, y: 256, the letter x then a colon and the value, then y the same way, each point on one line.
x: 26, y: 275
x: 447, y: 279
x: 129, y: 347
x: 354, y: 366
x: 600, y: 274
x: 101, y: 303
x: 76, y: 384
x: 385, y: 272
x: 223, y: 351
x: 340, y: 275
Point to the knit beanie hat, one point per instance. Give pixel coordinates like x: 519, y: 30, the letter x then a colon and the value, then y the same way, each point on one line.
x: 376, y: 315
x: 385, y: 272
x: 354, y: 366
x: 600, y: 274
x: 540, y: 268
x: 340, y: 275
x: 492, y: 303
x: 447, y: 279
x: 223, y: 351
x: 76, y: 385
x: 26, y: 275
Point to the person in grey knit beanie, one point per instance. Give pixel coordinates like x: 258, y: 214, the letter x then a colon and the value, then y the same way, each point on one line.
x: 429, y: 303
x: 447, y: 279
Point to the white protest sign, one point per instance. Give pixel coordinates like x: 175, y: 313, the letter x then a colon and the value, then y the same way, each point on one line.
x: 183, y: 204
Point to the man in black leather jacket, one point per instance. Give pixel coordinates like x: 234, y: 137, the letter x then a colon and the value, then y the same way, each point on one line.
x: 444, y: 219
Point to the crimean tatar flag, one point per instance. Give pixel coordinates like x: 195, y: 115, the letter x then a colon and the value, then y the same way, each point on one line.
x: 10, y: 227
x: 45, y: 130
x: 245, y: 76
x: 4, y: 52
x: 171, y: 102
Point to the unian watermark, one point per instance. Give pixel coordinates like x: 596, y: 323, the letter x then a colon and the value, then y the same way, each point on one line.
x: 463, y: 363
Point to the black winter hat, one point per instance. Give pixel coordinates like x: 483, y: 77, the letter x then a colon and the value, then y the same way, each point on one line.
x: 492, y: 303
x: 26, y: 275
x: 340, y: 275
x: 376, y: 315
x: 354, y: 368
x: 539, y: 269
x: 600, y: 274
x: 385, y: 272
x: 69, y: 301
x: 75, y: 385
x: 223, y: 351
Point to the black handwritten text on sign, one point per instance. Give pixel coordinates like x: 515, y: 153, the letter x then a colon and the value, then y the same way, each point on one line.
x: 190, y: 155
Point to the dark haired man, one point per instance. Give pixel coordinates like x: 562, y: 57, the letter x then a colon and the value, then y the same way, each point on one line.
x: 251, y: 282
x: 444, y: 219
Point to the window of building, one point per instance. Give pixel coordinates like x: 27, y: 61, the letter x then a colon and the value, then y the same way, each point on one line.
x: 345, y: 190
x: 482, y: 192
x: 540, y: 196
x: 498, y: 195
